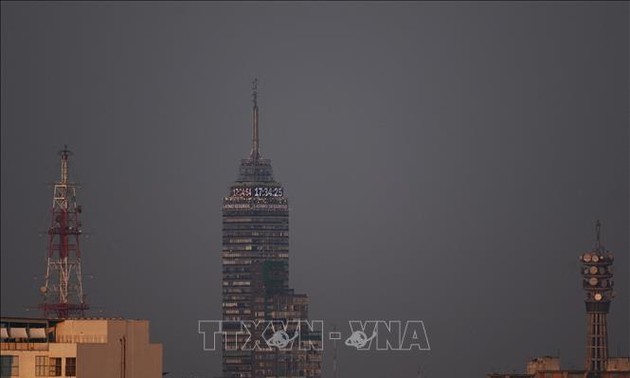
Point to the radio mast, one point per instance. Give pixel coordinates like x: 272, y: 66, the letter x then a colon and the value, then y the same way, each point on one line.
x: 63, y: 290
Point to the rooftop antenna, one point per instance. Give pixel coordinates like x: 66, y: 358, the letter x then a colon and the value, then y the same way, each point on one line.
x: 255, y: 154
x: 335, y: 354
x: 421, y: 371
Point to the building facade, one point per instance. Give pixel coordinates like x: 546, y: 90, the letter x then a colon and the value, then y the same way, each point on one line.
x: 255, y: 259
x: 84, y: 348
x: 549, y: 367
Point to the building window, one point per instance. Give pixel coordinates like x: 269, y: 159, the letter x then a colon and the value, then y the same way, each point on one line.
x: 9, y: 366
x: 41, y: 366
x: 71, y: 367
x: 54, y: 367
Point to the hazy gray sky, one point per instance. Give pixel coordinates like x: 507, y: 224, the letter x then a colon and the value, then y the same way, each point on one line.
x: 443, y: 161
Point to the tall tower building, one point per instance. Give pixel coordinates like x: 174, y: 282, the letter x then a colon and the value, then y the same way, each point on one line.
x: 62, y: 291
x: 255, y: 259
x: 598, y: 286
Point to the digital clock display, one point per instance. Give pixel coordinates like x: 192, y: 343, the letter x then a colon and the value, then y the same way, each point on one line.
x: 257, y: 191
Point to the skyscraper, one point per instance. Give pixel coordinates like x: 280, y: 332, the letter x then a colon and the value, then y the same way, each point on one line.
x: 255, y: 259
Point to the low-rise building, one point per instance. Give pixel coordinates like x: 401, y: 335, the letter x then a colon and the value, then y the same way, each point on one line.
x: 549, y: 367
x: 84, y: 348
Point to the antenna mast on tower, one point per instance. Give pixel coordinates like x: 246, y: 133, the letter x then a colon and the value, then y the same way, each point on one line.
x: 63, y: 290
x: 255, y: 153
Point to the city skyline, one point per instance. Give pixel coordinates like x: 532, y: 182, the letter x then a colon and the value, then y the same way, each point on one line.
x: 444, y: 163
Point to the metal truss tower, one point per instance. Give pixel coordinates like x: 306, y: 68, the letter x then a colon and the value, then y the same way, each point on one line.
x: 63, y: 289
x: 598, y: 285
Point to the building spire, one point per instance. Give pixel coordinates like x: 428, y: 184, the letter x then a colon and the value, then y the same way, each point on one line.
x: 255, y: 154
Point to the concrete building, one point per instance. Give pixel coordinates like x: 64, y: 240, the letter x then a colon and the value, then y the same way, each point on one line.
x: 549, y: 367
x: 85, y: 348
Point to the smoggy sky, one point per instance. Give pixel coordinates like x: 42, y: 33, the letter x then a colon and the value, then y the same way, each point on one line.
x: 443, y: 161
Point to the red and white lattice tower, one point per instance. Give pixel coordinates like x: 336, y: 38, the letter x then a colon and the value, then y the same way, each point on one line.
x: 63, y: 290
